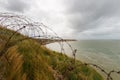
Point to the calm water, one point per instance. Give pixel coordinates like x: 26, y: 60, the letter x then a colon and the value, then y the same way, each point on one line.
x: 105, y: 53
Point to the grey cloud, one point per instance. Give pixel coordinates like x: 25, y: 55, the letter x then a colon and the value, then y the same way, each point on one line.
x: 17, y: 5
x: 92, y: 12
x: 85, y: 18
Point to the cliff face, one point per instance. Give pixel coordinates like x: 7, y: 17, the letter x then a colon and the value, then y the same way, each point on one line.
x: 28, y: 60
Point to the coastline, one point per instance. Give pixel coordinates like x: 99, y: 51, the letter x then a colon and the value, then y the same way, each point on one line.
x: 36, y: 62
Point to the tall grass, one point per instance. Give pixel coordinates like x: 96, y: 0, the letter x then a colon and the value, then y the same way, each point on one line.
x: 28, y: 60
x: 11, y: 65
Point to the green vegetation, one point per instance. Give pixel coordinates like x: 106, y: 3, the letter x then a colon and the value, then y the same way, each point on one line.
x: 28, y: 60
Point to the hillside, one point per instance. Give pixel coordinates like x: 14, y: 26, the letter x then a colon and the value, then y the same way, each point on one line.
x: 28, y: 60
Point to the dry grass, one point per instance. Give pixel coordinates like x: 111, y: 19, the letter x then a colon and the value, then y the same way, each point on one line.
x: 28, y: 60
x: 12, y: 63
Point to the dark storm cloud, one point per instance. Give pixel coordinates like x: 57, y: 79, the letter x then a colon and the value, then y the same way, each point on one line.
x: 17, y: 5
x: 87, y: 14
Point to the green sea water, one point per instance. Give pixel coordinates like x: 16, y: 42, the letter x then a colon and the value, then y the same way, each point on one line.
x: 105, y: 53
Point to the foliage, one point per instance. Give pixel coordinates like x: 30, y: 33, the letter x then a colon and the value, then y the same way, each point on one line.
x: 28, y: 60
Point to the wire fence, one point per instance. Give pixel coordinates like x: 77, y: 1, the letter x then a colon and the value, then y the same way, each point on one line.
x: 39, y: 32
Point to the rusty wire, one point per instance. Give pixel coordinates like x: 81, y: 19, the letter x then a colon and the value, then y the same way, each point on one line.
x: 35, y: 30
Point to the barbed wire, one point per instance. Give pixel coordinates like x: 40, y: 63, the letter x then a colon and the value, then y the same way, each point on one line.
x: 41, y: 33
x: 108, y: 74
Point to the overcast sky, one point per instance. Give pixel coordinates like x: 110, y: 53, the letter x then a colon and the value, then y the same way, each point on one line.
x: 79, y: 19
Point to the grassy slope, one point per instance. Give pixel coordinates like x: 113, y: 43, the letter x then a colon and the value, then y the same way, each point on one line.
x: 27, y: 60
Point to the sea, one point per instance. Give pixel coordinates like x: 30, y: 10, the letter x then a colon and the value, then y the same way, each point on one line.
x: 104, y: 53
